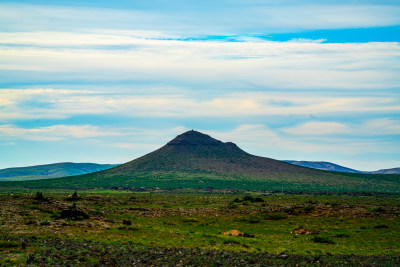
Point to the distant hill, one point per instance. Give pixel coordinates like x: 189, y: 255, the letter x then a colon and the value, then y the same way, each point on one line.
x: 322, y: 165
x: 196, y: 160
x: 50, y: 171
x: 388, y: 171
x: 328, y: 166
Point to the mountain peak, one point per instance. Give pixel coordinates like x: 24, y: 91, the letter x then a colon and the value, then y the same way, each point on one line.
x: 193, y: 138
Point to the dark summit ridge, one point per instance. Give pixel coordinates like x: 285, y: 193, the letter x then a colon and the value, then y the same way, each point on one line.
x: 201, y: 145
x: 193, y: 152
x: 194, y: 138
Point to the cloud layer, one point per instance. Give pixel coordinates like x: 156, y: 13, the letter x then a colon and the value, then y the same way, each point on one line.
x: 111, y: 81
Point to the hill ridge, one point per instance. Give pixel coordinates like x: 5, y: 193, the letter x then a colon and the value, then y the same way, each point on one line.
x: 196, y: 160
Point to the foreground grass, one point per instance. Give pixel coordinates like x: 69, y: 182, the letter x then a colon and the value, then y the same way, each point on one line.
x: 193, y: 224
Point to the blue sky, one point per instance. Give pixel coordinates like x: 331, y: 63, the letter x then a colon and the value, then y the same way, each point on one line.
x: 109, y: 81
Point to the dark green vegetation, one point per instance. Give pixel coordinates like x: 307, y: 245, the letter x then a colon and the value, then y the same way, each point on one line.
x: 195, y: 160
x: 50, y: 171
x: 186, y: 227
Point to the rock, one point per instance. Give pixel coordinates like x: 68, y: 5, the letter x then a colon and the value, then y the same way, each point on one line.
x: 73, y: 213
x: 73, y: 197
x: 30, y: 258
x: 39, y: 196
x: 303, y: 231
x: 233, y: 232
x: 237, y: 233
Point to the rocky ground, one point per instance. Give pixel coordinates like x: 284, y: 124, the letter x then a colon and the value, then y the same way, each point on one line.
x: 199, y: 230
x: 58, y: 251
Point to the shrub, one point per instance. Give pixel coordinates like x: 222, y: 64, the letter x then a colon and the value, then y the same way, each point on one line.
x: 253, y: 220
x: 56, y: 216
x: 45, y: 223
x: 232, y: 205
x: 131, y: 228
x: 127, y: 222
x: 275, y: 216
x: 381, y: 226
x: 380, y: 209
x: 342, y: 235
x: 248, y: 198
x: 190, y: 220
x: 9, y: 244
x: 257, y: 199
x: 323, y: 240
x: 309, y: 208
x: 288, y: 210
x: 230, y: 242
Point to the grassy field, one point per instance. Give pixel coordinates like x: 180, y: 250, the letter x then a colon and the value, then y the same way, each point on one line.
x: 324, y: 181
x: 183, y: 227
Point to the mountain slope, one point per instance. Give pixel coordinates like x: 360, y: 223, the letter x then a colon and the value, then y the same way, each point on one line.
x: 197, y: 152
x: 50, y: 171
x: 388, y: 171
x: 322, y: 165
x: 196, y: 160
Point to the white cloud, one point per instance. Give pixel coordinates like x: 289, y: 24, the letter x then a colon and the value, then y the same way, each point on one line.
x: 260, y: 140
x: 54, y: 132
x: 204, y: 17
x: 383, y: 126
x: 305, y: 40
x: 278, y: 65
x: 40, y: 103
x: 375, y: 127
x: 319, y: 128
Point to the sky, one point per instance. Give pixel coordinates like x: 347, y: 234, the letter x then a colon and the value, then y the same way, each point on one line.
x: 109, y: 81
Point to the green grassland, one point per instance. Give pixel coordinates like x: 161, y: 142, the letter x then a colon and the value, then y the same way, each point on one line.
x: 322, y: 181
x: 188, y: 227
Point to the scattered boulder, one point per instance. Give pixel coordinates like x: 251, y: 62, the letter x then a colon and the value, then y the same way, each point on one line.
x: 304, y: 231
x: 73, y: 213
x: 39, y: 196
x: 73, y: 197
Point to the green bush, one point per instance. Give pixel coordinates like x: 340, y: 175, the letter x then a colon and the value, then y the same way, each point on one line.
x: 342, y: 235
x: 380, y: 209
x: 288, y: 210
x: 309, y: 208
x: 230, y: 241
x: 9, y: 244
x: 45, y: 223
x: 190, y: 220
x: 323, y: 240
x: 274, y: 216
x: 381, y: 226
